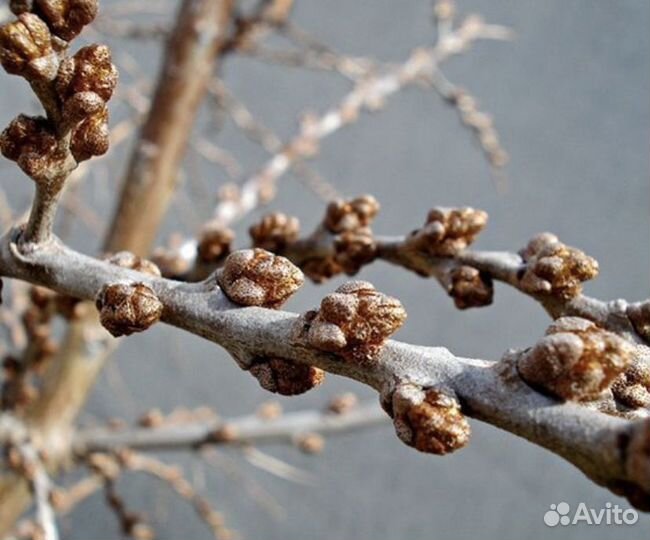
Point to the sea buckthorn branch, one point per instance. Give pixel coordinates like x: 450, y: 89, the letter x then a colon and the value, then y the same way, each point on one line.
x: 73, y: 91
x: 200, y: 32
x: 368, y: 94
x: 243, y: 430
x: 611, y: 450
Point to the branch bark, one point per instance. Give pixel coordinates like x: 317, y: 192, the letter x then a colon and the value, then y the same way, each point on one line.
x: 597, y: 443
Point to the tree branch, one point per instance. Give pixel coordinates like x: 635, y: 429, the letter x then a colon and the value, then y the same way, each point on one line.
x: 597, y: 443
x: 236, y: 431
x: 201, y: 31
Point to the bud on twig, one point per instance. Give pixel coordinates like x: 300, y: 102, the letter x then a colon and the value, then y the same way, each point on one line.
x: 31, y: 142
x: 66, y: 18
x: 576, y: 360
x: 254, y: 277
x: 126, y: 259
x: 355, y: 321
x: 470, y: 288
x: 448, y: 231
x: 285, y: 377
x: 350, y: 215
x: 429, y: 420
x: 214, y: 242
x: 125, y: 308
x: 26, y: 49
x: 275, y: 232
x: 555, y: 269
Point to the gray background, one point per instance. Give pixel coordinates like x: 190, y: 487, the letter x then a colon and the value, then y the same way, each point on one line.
x: 570, y: 99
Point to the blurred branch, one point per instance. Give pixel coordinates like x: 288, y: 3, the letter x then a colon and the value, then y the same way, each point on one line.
x: 236, y: 431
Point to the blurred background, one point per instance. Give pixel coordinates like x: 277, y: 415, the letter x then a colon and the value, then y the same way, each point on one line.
x: 570, y: 100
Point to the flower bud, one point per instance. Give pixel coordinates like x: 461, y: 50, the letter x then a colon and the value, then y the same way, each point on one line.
x: 285, y: 377
x: 632, y: 388
x: 576, y: 360
x: 275, y: 232
x: 89, y: 70
x: 470, y: 288
x: 26, y: 49
x: 448, y: 231
x: 553, y: 268
x: 66, y: 18
x: 429, y: 420
x: 90, y: 137
x: 30, y: 142
x: 254, y: 277
x: 349, y: 215
x: 125, y: 308
x: 355, y: 321
x: 214, y: 242
x: 126, y: 259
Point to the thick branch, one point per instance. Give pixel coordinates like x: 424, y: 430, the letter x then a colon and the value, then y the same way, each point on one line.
x: 199, y: 34
x: 493, y: 392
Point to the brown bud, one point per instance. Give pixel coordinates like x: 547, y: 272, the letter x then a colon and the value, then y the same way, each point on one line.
x: 126, y: 259
x: 254, y: 277
x: 275, y: 232
x: 321, y: 269
x: 125, y: 308
x: 350, y: 215
x: 355, y: 249
x: 90, y: 70
x: 448, y: 231
x: 639, y: 315
x: 90, y: 137
x: 355, y: 321
x: 555, y: 269
x: 343, y: 403
x: 429, y: 420
x: 26, y: 49
x: 152, y: 419
x: 66, y: 18
x: 310, y: 443
x: 285, y: 377
x: 31, y: 142
x: 632, y: 388
x: 470, y: 288
x: 576, y: 360
x: 214, y: 242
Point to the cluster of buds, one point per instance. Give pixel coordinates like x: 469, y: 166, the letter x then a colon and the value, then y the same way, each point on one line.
x: 448, y: 231
x: 285, y: 377
x: 576, y: 360
x: 214, y: 242
x: 65, y: 18
x: 430, y: 420
x: 632, y: 388
x: 354, y: 244
x: 469, y: 287
x: 553, y: 268
x: 275, y: 232
x: 84, y: 85
x: 255, y: 277
x: 126, y: 308
x: 354, y: 322
x: 126, y: 259
x: 73, y: 90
